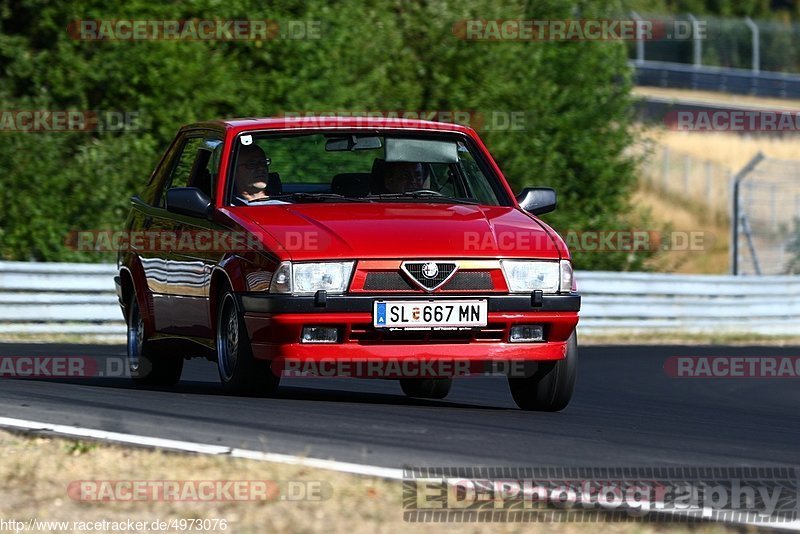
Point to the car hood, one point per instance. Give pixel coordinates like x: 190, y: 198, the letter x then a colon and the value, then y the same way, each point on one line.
x: 401, y: 230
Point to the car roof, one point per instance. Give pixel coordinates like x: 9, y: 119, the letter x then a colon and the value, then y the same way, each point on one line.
x: 331, y: 122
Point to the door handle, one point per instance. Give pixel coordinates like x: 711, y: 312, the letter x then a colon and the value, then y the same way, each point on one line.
x: 147, y: 223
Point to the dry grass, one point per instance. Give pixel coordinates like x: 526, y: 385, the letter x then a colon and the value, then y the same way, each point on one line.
x: 695, y: 193
x: 35, y: 472
x: 685, y: 218
x: 726, y: 149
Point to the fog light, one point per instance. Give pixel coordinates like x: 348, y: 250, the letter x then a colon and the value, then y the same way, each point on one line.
x: 320, y: 334
x: 526, y: 333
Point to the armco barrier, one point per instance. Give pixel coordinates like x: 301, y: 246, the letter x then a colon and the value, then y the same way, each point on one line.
x: 80, y: 299
x: 73, y: 298
x: 642, y: 302
x: 721, y: 79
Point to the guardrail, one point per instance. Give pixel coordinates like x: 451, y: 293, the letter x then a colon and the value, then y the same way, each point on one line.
x: 70, y: 298
x: 708, y: 304
x: 722, y: 79
x: 41, y: 298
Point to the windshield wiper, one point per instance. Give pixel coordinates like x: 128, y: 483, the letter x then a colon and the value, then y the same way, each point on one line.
x: 301, y: 196
x: 426, y: 194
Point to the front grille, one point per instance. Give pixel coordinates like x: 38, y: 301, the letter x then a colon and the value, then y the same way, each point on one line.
x: 367, y: 334
x: 461, y: 281
x: 417, y: 270
x: 469, y: 281
x: 386, y: 281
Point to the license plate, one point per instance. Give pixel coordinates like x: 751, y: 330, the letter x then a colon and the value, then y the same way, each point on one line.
x: 430, y: 314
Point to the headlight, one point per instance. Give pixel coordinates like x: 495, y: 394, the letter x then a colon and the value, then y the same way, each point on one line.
x: 547, y: 276
x: 308, y: 278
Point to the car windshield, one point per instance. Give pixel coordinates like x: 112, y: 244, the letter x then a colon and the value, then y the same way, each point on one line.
x: 360, y: 167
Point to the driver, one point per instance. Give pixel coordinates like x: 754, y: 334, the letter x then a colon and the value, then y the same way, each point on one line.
x: 400, y: 177
x: 252, y: 173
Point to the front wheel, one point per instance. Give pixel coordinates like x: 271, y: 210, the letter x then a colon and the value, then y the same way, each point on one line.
x: 148, y: 365
x: 426, y: 388
x: 239, y: 371
x: 550, y: 388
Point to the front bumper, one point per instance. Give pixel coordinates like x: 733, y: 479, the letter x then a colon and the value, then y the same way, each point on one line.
x: 275, y: 322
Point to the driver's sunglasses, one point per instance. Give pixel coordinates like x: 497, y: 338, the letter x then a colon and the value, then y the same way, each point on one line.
x: 256, y: 164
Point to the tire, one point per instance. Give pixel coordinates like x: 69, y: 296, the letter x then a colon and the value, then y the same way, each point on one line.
x: 550, y: 388
x: 426, y: 388
x: 239, y: 372
x: 148, y: 365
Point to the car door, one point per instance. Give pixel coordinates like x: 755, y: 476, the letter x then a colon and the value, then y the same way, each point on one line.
x: 148, y: 223
x: 195, y: 254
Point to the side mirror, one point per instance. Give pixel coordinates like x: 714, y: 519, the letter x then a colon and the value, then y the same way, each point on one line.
x: 537, y: 200
x: 188, y: 201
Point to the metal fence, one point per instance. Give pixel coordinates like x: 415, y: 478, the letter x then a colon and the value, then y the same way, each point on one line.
x: 728, y: 42
x: 766, y: 240
x: 687, y: 177
x: 767, y: 237
x: 80, y: 299
x: 732, y: 55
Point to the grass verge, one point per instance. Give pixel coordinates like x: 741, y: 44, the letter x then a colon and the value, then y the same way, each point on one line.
x: 36, y: 472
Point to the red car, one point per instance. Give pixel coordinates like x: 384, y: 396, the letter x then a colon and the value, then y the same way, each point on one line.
x: 346, y: 246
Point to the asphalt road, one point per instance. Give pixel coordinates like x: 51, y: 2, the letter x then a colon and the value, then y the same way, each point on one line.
x: 626, y: 412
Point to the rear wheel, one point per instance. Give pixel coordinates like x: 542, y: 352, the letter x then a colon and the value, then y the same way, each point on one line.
x: 426, y: 388
x: 148, y: 365
x: 550, y: 388
x: 239, y: 371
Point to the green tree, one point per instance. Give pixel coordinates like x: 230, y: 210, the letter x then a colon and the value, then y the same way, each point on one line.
x: 385, y: 55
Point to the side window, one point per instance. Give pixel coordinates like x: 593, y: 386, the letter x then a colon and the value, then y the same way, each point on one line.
x: 151, y: 194
x: 176, y: 173
x: 206, y: 166
x: 183, y: 168
x: 195, y: 166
